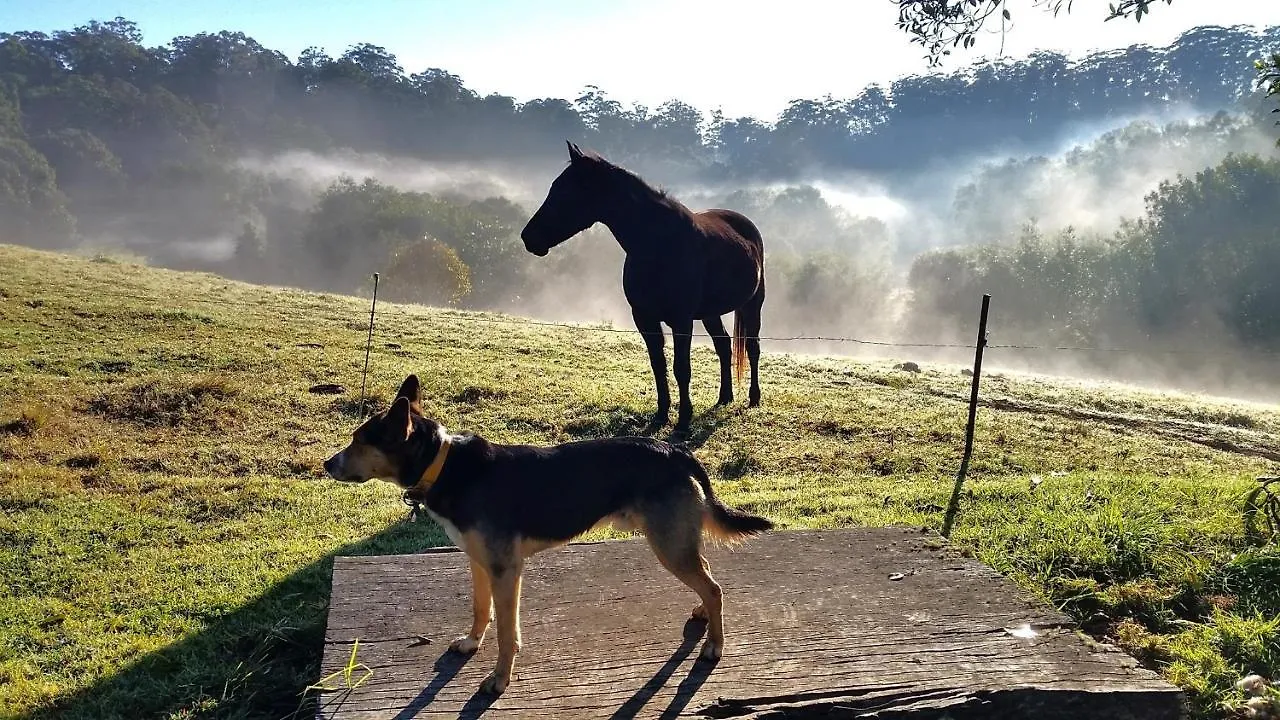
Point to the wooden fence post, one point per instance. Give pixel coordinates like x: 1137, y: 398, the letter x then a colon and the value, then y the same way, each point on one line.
x: 954, y: 505
x: 368, y: 345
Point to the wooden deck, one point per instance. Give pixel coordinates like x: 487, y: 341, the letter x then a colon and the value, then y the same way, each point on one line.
x: 849, y: 623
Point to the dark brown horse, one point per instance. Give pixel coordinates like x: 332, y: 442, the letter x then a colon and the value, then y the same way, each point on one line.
x: 681, y: 266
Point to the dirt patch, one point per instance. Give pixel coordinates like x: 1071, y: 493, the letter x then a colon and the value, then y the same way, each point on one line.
x: 26, y: 425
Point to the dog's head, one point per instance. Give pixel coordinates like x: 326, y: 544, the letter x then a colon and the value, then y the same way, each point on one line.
x: 390, y: 443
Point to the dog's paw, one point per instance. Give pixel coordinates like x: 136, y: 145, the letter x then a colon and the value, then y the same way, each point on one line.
x: 465, y: 645
x: 495, y: 684
x: 699, y: 613
x: 710, y: 651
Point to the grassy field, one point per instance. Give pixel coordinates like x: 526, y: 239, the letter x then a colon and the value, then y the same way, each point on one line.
x: 166, y: 533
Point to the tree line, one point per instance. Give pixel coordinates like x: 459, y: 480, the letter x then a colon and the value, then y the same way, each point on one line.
x: 118, y: 122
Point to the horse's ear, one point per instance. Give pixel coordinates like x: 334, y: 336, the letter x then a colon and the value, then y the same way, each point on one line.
x: 575, y: 153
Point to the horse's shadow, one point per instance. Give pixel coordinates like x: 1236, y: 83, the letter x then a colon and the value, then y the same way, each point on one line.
x: 621, y: 421
x: 704, y: 425
x: 614, y: 421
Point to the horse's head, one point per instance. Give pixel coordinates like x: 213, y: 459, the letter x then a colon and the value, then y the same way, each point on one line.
x: 573, y: 204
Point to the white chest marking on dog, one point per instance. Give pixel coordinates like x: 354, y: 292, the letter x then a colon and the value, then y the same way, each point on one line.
x: 449, y: 529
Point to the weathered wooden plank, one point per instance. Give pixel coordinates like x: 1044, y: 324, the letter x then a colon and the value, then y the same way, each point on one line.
x: 815, y: 627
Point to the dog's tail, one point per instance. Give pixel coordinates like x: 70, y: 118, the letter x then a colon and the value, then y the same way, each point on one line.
x: 724, y: 523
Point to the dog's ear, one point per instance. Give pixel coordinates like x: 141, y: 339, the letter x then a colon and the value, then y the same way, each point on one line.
x: 398, y: 418
x: 411, y: 389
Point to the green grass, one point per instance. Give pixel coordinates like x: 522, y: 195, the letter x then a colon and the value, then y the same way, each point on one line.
x: 166, y: 535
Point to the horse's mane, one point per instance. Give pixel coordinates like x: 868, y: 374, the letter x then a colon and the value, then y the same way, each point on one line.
x: 635, y: 186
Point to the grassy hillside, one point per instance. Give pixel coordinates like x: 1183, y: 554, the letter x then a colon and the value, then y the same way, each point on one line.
x: 166, y: 533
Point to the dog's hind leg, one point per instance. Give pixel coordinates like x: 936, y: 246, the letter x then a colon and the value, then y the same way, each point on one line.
x: 677, y: 541
x: 481, y: 610
x: 504, y: 575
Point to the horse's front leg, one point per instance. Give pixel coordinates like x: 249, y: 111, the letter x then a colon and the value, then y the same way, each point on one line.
x: 654, y: 339
x: 682, y: 339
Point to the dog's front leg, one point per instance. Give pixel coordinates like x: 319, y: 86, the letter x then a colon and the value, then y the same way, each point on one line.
x: 481, y: 610
x: 506, y: 604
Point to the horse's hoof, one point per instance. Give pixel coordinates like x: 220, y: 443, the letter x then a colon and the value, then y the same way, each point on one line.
x: 725, y: 400
x: 681, y: 430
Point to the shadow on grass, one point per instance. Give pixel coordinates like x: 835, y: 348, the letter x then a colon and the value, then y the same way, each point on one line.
x: 618, y: 421
x: 599, y: 422
x: 254, y: 662
x: 705, y: 424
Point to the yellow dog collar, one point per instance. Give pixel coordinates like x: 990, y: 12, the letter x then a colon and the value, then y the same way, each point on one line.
x: 432, y: 473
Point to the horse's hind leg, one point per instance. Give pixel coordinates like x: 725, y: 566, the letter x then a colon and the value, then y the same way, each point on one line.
x: 720, y: 337
x: 655, y: 340
x: 751, y: 313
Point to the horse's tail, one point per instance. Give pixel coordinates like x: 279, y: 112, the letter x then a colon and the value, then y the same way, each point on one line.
x: 739, y: 346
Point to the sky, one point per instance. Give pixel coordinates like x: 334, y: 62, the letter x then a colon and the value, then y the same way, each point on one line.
x: 745, y: 57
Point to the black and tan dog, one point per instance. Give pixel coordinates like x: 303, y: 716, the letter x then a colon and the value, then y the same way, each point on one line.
x: 502, y: 503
